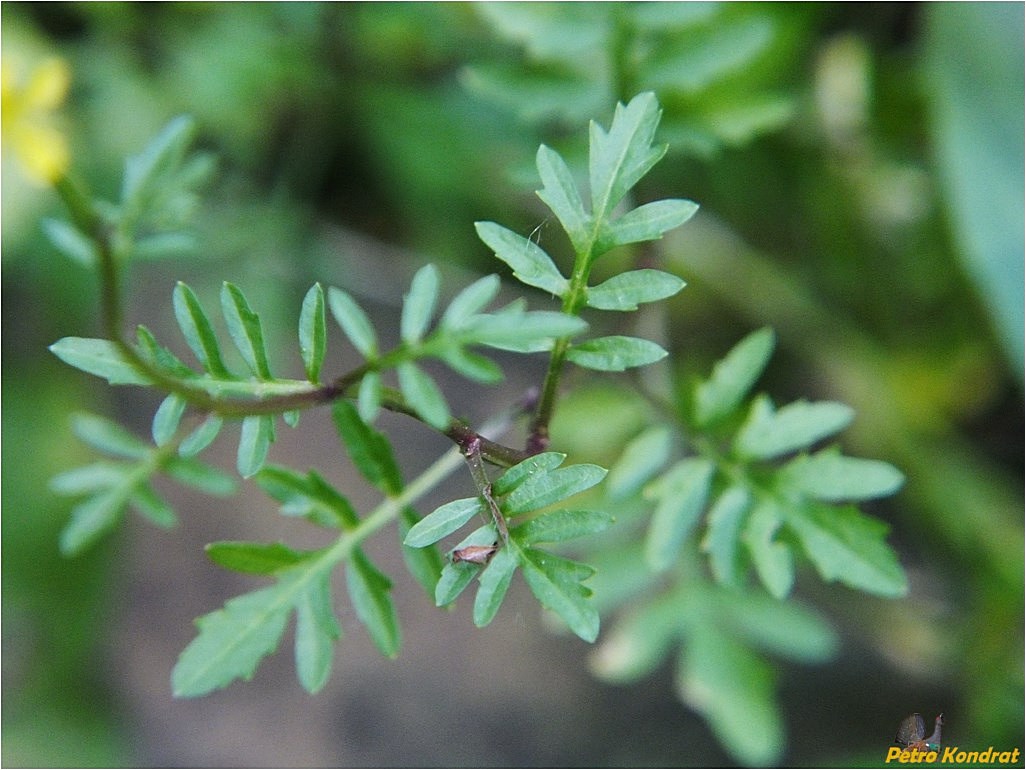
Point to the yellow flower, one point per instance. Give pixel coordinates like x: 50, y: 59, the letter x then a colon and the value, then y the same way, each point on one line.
x: 29, y: 105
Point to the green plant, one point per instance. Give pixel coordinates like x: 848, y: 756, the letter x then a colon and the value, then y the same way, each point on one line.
x: 752, y: 476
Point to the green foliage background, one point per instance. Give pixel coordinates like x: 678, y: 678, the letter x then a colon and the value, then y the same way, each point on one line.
x: 860, y: 175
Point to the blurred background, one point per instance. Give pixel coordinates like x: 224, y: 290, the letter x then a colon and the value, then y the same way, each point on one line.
x: 860, y: 173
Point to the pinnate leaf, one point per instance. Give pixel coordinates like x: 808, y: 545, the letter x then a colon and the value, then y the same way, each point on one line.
x: 309, y: 496
x: 443, y: 521
x: 555, y: 583
x: 245, y: 330
x: 233, y: 640
x: 615, y: 354
x: 530, y: 264
x: 646, y: 223
x: 197, y: 330
x: 557, y: 526
x: 522, y: 471
x: 561, y: 195
x: 621, y: 157
x: 495, y: 580
x: 543, y: 489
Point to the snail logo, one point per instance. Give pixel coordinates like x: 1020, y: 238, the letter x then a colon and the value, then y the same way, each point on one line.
x: 914, y: 748
x: 911, y: 732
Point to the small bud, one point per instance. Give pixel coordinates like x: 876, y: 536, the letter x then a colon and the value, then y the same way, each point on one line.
x: 474, y: 554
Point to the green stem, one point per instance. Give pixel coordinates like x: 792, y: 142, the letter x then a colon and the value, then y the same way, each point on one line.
x: 573, y: 301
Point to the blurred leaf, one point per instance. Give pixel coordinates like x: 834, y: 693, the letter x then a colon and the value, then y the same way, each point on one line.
x: 733, y: 688
x: 254, y: 558
x: 639, y: 641
x: 317, y: 630
x: 681, y: 495
x: 254, y: 442
x: 93, y: 517
x: 167, y: 417
x: 640, y: 461
x: 520, y: 330
x: 419, y: 304
x: 773, y: 561
x: 848, y: 546
x: 233, y: 640
x: 108, y: 436
x: 369, y: 450
x: 973, y: 103
x: 368, y: 590
x: 783, y: 628
x: 152, y: 506
x: 198, y: 475
x: 472, y: 365
x: 423, y: 395
x: 722, y: 534
x: 368, y: 397
x: 470, y: 301
x: 312, y: 332
x: 767, y: 433
x: 100, y: 357
x: 354, y: 322
x: 70, y: 242
x: 202, y: 436
x: 733, y: 377
x: 831, y: 477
